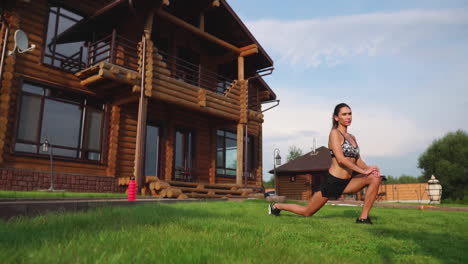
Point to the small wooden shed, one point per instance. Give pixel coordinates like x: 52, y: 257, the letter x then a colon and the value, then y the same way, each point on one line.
x: 299, y: 178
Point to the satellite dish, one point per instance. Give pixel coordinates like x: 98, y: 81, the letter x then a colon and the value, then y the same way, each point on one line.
x: 21, y: 42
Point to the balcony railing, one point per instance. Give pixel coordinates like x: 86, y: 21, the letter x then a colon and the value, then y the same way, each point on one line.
x: 195, y: 74
x: 118, y: 50
x: 71, y: 63
x: 74, y: 62
x: 114, y: 49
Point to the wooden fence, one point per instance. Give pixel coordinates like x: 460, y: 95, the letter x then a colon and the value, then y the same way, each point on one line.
x: 403, y: 192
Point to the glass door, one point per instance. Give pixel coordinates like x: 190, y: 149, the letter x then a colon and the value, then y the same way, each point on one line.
x: 183, y: 153
x: 152, y: 150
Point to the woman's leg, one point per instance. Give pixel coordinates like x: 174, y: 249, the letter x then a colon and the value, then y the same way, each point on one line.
x: 356, y: 184
x: 315, y: 203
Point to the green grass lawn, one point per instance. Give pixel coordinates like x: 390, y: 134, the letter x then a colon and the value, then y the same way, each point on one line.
x: 235, y: 232
x: 37, y: 194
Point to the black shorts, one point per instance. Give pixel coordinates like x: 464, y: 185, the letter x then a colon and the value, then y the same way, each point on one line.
x: 333, y: 187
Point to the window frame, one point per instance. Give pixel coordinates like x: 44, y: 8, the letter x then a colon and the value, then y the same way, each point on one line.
x: 225, y: 131
x: 44, y: 55
x: 251, y: 157
x: 184, y: 130
x: 81, y: 149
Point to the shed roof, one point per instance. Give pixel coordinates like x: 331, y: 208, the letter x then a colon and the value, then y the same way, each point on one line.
x: 318, y: 161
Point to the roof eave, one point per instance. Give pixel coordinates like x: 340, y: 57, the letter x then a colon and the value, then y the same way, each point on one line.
x: 247, y: 31
x: 76, y: 32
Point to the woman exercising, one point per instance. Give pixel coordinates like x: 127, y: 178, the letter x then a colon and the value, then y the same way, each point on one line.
x: 344, y: 151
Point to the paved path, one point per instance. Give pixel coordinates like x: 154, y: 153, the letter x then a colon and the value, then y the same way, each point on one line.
x: 30, y: 207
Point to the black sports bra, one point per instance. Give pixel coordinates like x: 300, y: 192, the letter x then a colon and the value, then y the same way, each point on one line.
x: 348, y: 149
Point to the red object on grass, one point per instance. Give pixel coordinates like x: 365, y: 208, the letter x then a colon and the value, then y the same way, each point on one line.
x: 131, y: 192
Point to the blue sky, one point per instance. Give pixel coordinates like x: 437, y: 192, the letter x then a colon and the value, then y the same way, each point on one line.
x: 402, y: 66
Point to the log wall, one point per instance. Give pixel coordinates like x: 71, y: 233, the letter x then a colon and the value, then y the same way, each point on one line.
x: 32, y: 18
x: 300, y: 189
x: 166, y: 88
x: 8, y: 86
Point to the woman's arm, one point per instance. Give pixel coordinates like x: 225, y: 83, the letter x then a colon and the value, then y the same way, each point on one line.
x: 335, y: 145
x: 360, y: 162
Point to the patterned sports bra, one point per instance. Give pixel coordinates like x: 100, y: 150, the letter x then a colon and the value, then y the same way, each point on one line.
x: 348, y: 149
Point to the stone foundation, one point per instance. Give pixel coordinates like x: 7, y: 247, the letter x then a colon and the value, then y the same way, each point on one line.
x: 31, y: 180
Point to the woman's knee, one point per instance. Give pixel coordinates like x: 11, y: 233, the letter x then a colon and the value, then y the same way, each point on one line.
x: 308, y: 213
x: 374, y: 180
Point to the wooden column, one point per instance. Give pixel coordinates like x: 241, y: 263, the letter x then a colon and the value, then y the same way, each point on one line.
x: 169, y: 145
x: 212, y: 172
x: 7, y: 84
x: 241, y: 124
x: 143, y: 102
x: 141, y: 134
x: 113, y: 141
x: 240, y: 154
x: 260, y: 156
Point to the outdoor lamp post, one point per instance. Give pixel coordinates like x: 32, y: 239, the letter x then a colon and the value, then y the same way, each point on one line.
x: 45, y: 147
x: 276, y: 161
x: 434, y: 190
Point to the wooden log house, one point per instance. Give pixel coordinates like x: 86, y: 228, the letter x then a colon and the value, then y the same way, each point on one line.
x: 298, y: 179
x: 168, y: 90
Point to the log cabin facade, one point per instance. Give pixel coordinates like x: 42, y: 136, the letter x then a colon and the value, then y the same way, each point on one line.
x: 169, y: 89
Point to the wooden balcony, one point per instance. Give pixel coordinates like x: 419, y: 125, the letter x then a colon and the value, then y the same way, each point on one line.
x: 114, y: 61
x: 183, y: 83
x: 111, y: 61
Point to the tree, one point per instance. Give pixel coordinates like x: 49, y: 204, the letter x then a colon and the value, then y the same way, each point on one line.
x: 404, y: 179
x: 270, y: 183
x: 447, y: 159
x: 294, y: 153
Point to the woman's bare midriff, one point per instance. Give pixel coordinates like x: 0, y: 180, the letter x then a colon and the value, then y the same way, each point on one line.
x: 339, y: 171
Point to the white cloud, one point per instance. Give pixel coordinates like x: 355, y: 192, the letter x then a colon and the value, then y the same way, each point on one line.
x: 379, y: 131
x: 332, y: 41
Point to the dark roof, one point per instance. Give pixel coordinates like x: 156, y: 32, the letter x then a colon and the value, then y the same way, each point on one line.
x: 320, y: 161
x: 101, y: 21
x: 268, y: 62
x: 263, y: 86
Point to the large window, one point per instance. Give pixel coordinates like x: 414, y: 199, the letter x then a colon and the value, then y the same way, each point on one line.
x: 226, y: 154
x: 183, y: 155
x: 67, y: 56
x: 71, y: 123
